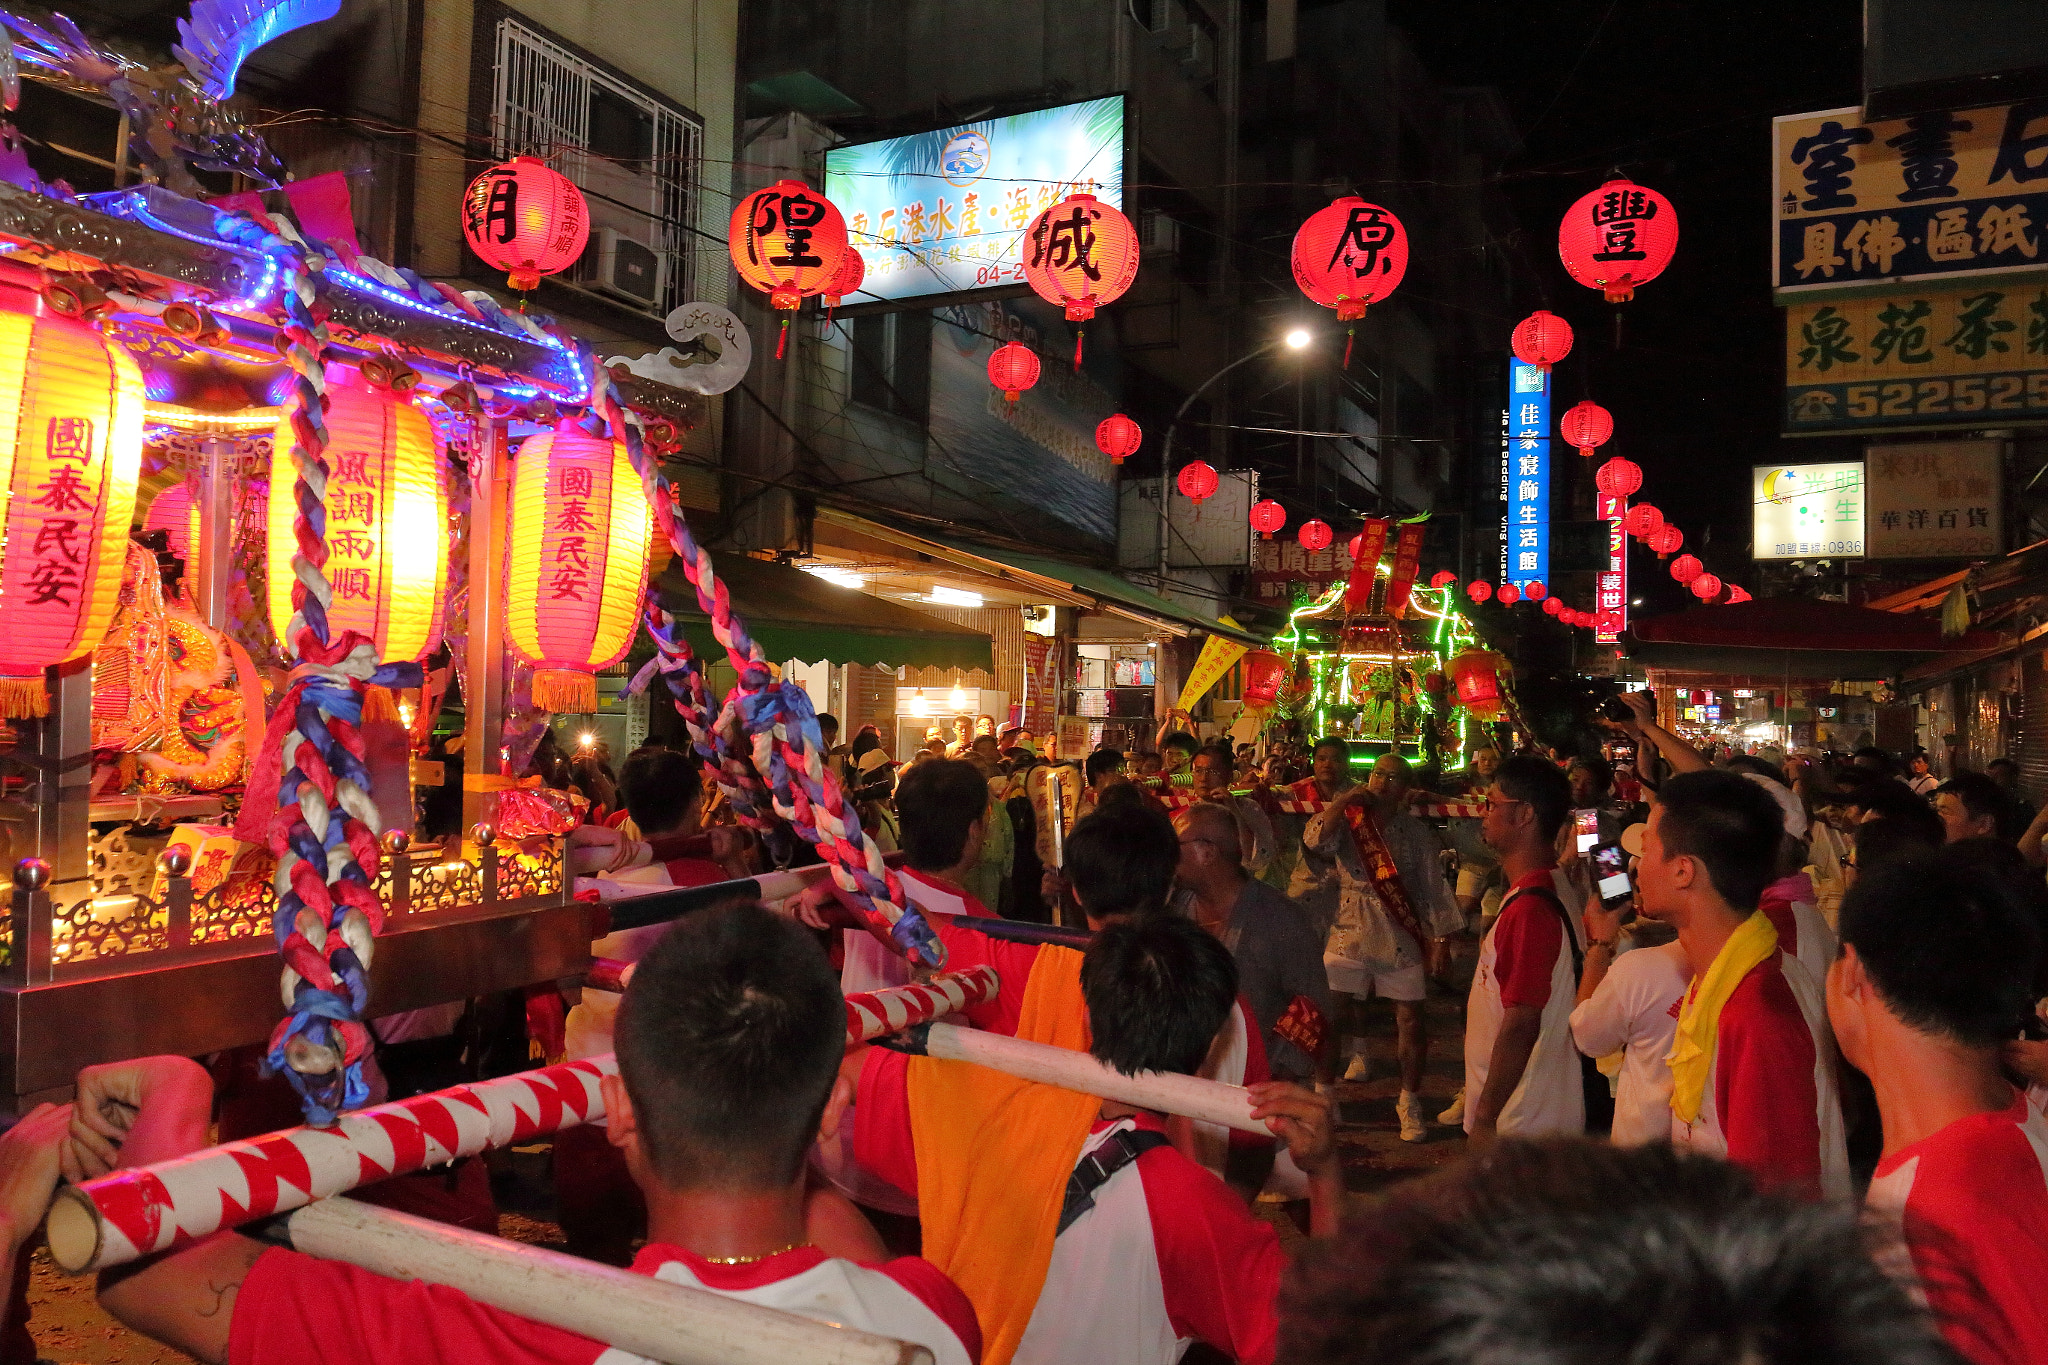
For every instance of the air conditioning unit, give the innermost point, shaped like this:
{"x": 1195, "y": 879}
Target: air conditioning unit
{"x": 1157, "y": 233}
{"x": 1199, "y": 61}
{"x": 628, "y": 268}
{"x": 624, "y": 258}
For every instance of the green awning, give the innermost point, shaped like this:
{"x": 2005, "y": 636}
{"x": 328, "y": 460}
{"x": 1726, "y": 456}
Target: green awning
{"x": 796, "y": 615}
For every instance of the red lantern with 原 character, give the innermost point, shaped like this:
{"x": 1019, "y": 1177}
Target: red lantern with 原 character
{"x": 1349, "y": 255}
{"x": 1704, "y": 586}
{"x": 526, "y": 219}
{"x": 1535, "y": 590}
{"x": 1441, "y": 578}
{"x": 1666, "y": 540}
{"x": 1686, "y": 568}
{"x": 1507, "y": 594}
{"x": 1619, "y": 236}
{"x": 1479, "y": 590}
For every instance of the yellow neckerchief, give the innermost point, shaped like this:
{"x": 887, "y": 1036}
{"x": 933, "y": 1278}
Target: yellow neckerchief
{"x": 1692, "y": 1048}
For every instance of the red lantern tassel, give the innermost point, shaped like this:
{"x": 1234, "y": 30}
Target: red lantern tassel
{"x": 782, "y": 337}
{"x": 1077, "y": 348}
{"x": 1349, "y": 333}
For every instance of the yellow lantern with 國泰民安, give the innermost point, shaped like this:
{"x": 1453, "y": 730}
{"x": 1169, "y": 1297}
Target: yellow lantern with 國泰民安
{"x": 70, "y": 448}
{"x": 577, "y": 562}
{"x": 387, "y": 521}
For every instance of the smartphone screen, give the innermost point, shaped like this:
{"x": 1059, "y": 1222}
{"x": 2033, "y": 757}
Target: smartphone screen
{"x": 1587, "y": 825}
{"x": 1610, "y": 874}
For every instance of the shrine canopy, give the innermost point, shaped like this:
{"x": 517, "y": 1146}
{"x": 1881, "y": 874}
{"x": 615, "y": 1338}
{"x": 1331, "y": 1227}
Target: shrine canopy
{"x": 796, "y": 615}
{"x": 1795, "y": 636}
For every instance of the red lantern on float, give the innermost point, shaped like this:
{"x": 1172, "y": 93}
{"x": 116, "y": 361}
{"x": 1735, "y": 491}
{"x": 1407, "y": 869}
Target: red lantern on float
{"x": 1542, "y": 339}
{"x": 1013, "y": 368}
{"x": 1643, "y": 521}
{"x": 1686, "y": 568}
{"x": 1439, "y": 578}
{"x": 1267, "y": 517}
{"x": 1080, "y": 254}
{"x": 1535, "y": 590}
{"x": 1118, "y": 437}
{"x": 789, "y": 242}
{"x": 1315, "y": 535}
{"x": 1666, "y": 540}
{"x": 1619, "y": 236}
{"x": 1507, "y": 594}
{"x": 1349, "y": 255}
{"x": 1197, "y": 482}
{"x": 1704, "y": 586}
{"x": 1479, "y": 590}
{"x": 1263, "y": 670}
{"x": 852, "y": 271}
{"x": 1618, "y": 478}
{"x": 526, "y": 219}
{"x": 1586, "y": 425}
{"x": 1477, "y": 675}
{"x": 1737, "y": 594}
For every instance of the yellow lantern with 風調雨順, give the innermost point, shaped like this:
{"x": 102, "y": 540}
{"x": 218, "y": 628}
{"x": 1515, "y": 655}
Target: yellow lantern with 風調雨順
{"x": 387, "y": 522}
{"x": 578, "y": 559}
{"x": 70, "y": 447}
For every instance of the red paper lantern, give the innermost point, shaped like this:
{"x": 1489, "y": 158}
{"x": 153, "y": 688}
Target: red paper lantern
{"x": 1736, "y": 594}
{"x": 852, "y": 272}
{"x": 1315, "y": 535}
{"x": 1267, "y": 516}
{"x": 1437, "y": 579}
{"x": 1705, "y": 586}
{"x": 1476, "y": 673}
{"x": 1542, "y": 339}
{"x": 1586, "y": 425}
{"x": 1618, "y": 478}
{"x": 1507, "y": 594}
{"x": 1263, "y": 671}
{"x": 1608, "y": 622}
{"x": 1479, "y": 590}
{"x": 1349, "y": 255}
{"x": 1535, "y": 590}
{"x": 1666, "y": 540}
{"x": 1643, "y": 521}
{"x": 1619, "y": 236}
{"x": 1013, "y": 368}
{"x": 1554, "y": 606}
{"x": 1118, "y": 437}
{"x": 1080, "y": 254}
{"x": 788, "y": 241}
{"x": 1197, "y": 482}
{"x": 526, "y": 219}
{"x": 1686, "y": 568}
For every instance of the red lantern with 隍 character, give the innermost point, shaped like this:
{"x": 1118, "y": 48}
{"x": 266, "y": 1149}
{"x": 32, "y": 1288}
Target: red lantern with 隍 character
{"x": 1619, "y": 236}
{"x": 1479, "y": 590}
{"x": 1013, "y": 368}
{"x": 1349, "y": 255}
{"x": 1267, "y": 517}
{"x": 1118, "y": 437}
{"x": 1197, "y": 482}
{"x": 1666, "y": 540}
{"x": 1476, "y": 673}
{"x": 1686, "y": 568}
{"x": 526, "y": 219}
{"x": 1586, "y": 425}
{"x": 1080, "y": 254}
{"x": 1643, "y": 521}
{"x": 1542, "y": 339}
{"x": 789, "y": 242}
{"x": 1619, "y": 478}
{"x": 1315, "y": 535}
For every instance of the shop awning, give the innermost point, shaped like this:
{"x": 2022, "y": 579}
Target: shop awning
{"x": 796, "y": 615}
{"x": 1802, "y": 637}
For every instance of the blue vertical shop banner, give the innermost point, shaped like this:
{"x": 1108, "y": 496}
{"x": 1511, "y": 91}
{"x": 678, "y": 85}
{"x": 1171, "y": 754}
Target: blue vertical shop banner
{"x": 1525, "y": 476}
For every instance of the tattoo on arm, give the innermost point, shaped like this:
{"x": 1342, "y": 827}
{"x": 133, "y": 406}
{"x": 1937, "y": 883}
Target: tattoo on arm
{"x": 223, "y": 1295}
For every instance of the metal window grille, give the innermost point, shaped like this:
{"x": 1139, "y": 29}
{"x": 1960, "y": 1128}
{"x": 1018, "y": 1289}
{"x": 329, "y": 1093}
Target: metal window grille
{"x": 541, "y": 106}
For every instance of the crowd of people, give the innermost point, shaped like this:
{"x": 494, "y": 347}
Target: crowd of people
{"x": 1747, "y": 1055}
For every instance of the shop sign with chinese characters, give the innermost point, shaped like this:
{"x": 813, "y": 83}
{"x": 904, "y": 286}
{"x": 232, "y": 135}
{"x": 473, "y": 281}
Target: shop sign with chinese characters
{"x": 1525, "y": 476}
{"x": 1807, "y": 511}
{"x": 1957, "y": 356}
{"x": 1936, "y": 500}
{"x": 1948, "y": 192}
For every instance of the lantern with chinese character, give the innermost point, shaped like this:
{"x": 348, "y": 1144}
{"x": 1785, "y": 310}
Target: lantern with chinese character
{"x": 1542, "y": 339}
{"x": 1118, "y": 437}
{"x": 1618, "y": 478}
{"x": 1080, "y": 254}
{"x": 1477, "y": 676}
{"x": 1013, "y": 368}
{"x": 1440, "y": 578}
{"x": 577, "y": 560}
{"x": 1263, "y": 671}
{"x": 1315, "y": 535}
{"x": 1197, "y": 482}
{"x": 525, "y": 219}
{"x": 1267, "y": 517}
{"x": 1349, "y": 255}
{"x": 1686, "y": 568}
{"x": 1666, "y": 540}
{"x": 1586, "y": 425}
{"x": 789, "y": 242}
{"x": 1704, "y": 586}
{"x": 852, "y": 271}
{"x": 1507, "y": 594}
{"x": 387, "y": 521}
{"x": 1643, "y": 521}
{"x": 1737, "y": 594}
{"x": 1619, "y": 236}
{"x": 70, "y": 447}
{"x": 1479, "y": 590}
{"x": 1554, "y": 606}
{"x": 1535, "y": 590}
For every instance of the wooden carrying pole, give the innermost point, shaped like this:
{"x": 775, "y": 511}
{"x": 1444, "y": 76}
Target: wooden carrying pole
{"x": 674, "y": 1323}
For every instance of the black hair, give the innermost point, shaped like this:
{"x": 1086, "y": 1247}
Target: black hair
{"x": 1181, "y": 739}
{"x": 1100, "y": 762}
{"x": 1118, "y": 794}
{"x": 936, "y": 801}
{"x": 1600, "y": 768}
{"x": 1543, "y": 785}
{"x": 1120, "y": 860}
{"x": 867, "y": 739}
{"x": 828, "y": 721}
{"x": 2002, "y": 763}
{"x": 1886, "y": 764}
{"x": 659, "y": 787}
{"x": 729, "y": 1039}
{"x": 1158, "y": 988}
{"x": 1981, "y": 797}
{"x": 1885, "y": 796}
{"x": 1950, "y": 938}
{"x": 1219, "y": 753}
{"x": 1574, "y": 1252}
{"x": 1731, "y": 824}
{"x": 1886, "y": 837}
{"x": 1337, "y": 742}
{"x": 1750, "y": 763}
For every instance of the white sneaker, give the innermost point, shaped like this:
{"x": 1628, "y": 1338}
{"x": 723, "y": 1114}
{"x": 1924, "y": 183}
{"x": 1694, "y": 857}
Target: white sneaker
{"x": 1359, "y": 1069}
{"x": 1455, "y": 1115}
{"x": 1409, "y": 1108}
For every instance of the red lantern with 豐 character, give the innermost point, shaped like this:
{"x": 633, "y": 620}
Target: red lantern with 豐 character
{"x": 1618, "y": 237}
{"x": 1080, "y": 254}
{"x": 1542, "y": 339}
{"x": 526, "y": 219}
{"x": 1586, "y": 425}
{"x": 1349, "y": 255}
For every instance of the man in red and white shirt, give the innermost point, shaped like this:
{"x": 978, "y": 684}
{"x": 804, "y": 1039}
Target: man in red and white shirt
{"x": 1522, "y": 1075}
{"x": 1753, "y": 1063}
{"x": 942, "y": 807}
{"x": 1162, "y": 1254}
{"x": 1938, "y": 953}
{"x": 715, "y": 1141}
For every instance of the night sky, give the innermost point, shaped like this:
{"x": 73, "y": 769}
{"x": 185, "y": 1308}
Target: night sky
{"x": 1678, "y": 96}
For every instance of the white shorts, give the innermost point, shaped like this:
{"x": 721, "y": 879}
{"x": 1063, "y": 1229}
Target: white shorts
{"x": 1349, "y": 978}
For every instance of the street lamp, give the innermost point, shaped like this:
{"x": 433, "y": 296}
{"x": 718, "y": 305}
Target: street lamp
{"x": 1299, "y": 338}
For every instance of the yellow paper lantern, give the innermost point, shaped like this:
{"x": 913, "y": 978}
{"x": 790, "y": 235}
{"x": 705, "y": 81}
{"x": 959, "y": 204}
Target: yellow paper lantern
{"x": 387, "y": 521}
{"x": 70, "y": 450}
{"x": 579, "y": 542}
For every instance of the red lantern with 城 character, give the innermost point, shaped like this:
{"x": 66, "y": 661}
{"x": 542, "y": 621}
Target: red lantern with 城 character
{"x": 1080, "y": 254}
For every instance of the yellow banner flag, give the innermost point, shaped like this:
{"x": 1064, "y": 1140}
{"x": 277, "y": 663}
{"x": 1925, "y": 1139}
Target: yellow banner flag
{"x": 1218, "y": 654}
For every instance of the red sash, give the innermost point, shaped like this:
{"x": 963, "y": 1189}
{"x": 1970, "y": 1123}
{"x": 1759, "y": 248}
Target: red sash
{"x": 1379, "y": 865}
